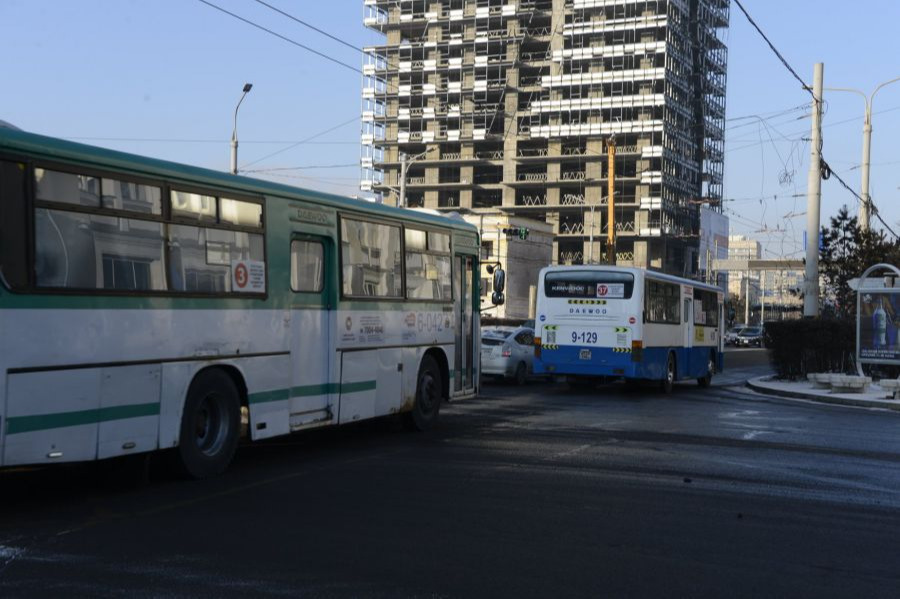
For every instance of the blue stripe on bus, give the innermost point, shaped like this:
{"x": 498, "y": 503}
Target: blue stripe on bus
{"x": 605, "y": 361}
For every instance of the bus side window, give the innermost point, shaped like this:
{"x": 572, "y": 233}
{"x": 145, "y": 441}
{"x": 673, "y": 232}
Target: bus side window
{"x": 307, "y": 262}
{"x": 687, "y": 310}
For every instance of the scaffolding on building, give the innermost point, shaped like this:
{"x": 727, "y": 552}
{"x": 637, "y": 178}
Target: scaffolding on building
{"x": 509, "y": 103}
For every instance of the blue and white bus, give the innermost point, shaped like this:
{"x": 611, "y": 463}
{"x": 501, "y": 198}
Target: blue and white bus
{"x": 598, "y": 322}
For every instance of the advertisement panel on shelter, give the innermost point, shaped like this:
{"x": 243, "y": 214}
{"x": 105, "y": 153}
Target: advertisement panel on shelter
{"x": 879, "y": 322}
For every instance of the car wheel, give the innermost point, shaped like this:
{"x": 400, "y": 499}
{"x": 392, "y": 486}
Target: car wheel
{"x": 521, "y": 375}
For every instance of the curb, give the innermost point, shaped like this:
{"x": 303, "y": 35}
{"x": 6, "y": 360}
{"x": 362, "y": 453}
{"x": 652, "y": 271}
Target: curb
{"x": 755, "y": 385}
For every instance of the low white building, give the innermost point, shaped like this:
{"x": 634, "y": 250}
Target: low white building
{"x": 522, "y": 257}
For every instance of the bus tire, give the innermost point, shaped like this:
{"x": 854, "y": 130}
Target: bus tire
{"x": 427, "y": 403}
{"x": 706, "y": 380}
{"x": 671, "y": 374}
{"x": 210, "y": 425}
{"x": 521, "y": 375}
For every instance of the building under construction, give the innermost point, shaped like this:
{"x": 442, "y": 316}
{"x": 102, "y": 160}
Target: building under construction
{"x": 515, "y": 106}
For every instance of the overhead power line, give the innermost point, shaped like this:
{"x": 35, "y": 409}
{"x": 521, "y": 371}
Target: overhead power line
{"x": 859, "y": 198}
{"x": 299, "y": 168}
{"x": 302, "y": 141}
{"x": 207, "y": 141}
{"x": 775, "y": 50}
{"x": 278, "y": 35}
{"x": 313, "y": 27}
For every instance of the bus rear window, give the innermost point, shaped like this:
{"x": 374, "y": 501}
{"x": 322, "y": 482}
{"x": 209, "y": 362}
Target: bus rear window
{"x": 589, "y": 283}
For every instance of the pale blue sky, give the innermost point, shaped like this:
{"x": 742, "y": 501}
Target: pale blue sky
{"x": 114, "y": 72}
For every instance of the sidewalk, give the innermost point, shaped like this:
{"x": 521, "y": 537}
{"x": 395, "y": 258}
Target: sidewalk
{"x": 875, "y": 397}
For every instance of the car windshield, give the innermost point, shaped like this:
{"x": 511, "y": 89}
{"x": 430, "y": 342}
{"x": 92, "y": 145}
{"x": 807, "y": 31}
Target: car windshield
{"x": 750, "y": 331}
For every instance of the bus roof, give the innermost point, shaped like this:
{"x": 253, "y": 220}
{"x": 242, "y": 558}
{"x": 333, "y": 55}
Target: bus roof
{"x": 652, "y": 274}
{"x": 60, "y": 150}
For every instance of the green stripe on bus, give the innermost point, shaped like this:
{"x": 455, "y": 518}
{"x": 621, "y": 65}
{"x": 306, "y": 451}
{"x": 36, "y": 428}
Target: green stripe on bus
{"x": 357, "y": 387}
{"x": 309, "y": 391}
{"x": 27, "y": 424}
{"x": 267, "y": 396}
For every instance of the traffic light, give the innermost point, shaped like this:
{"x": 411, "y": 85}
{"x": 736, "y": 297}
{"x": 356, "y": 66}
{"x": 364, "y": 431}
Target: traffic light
{"x": 520, "y": 232}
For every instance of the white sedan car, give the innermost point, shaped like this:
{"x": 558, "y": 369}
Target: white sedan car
{"x": 507, "y": 352}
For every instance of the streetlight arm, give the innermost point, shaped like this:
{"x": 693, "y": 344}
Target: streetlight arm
{"x": 880, "y": 85}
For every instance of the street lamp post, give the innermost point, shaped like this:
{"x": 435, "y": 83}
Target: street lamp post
{"x": 405, "y": 161}
{"x": 234, "y": 140}
{"x": 865, "y": 208}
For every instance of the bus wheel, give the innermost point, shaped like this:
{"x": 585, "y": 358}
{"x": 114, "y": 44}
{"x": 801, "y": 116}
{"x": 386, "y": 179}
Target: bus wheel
{"x": 210, "y": 425}
{"x": 669, "y": 381}
{"x": 521, "y": 374}
{"x": 428, "y": 397}
{"x": 706, "y": 380}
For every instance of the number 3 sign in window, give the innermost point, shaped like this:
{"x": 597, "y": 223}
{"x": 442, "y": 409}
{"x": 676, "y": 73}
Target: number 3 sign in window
{"x": 248, "y": 276}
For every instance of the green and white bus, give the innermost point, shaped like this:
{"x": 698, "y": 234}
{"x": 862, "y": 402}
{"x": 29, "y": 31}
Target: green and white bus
{"x": 149, "y": 305}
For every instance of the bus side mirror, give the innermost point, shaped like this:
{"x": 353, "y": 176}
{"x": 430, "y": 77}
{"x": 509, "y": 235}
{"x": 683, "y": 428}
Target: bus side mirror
{"x": 499, "y": 280}
{"x": 497, "y": 298}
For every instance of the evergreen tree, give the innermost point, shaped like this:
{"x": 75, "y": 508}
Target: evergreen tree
{"x": 845, "y": 253}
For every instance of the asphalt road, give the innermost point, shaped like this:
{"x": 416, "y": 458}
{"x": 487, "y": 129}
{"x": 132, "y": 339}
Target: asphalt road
{"x": 536, "y": 491}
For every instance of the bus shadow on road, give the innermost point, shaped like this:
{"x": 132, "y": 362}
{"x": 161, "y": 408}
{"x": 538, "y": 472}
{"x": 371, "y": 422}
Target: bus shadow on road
{"x": 35, "y": 488}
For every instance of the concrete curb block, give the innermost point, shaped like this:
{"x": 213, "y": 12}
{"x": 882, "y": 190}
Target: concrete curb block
{"x": 758, "y": 385}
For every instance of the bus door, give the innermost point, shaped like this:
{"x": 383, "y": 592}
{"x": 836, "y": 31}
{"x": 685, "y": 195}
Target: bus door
{"x": 465, "y": 284}
{"x": 687, "y": 317}
{"x": 311, "y": 324}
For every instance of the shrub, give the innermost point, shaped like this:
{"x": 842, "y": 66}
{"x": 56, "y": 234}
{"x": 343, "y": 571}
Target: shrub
{"x": 798, "y": 347}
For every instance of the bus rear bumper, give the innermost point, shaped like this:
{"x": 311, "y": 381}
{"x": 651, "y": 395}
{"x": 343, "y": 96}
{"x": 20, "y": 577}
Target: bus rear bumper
{"x": 650, "y": 363}
{"x": 594, "y": 361}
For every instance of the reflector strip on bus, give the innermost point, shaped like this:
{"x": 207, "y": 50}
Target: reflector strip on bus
{"x": 549, "y": 346}
{"x": 621, "y": 350}
{"x": 588, "y": 301}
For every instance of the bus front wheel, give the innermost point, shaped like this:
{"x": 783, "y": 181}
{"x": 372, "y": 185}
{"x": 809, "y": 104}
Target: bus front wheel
{"x": 706, "y": 380}
{"x": 669, "y": 381}
{"x": 210, "y": 425}
{"x": 428, "y": 398}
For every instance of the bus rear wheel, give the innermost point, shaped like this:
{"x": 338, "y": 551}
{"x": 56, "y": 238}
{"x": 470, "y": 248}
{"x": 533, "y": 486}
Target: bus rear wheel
{"x": 210, "y": 425}
{"x": 669, "y": 382}
{"x": 427, "y": 403}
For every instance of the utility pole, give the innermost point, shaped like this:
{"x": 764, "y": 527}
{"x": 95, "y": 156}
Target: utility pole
{"x": 611, "y": 203}
{"x": 747, "y": 299}
{"x": 591, "y": 237}
{"x": 814, "y": 199}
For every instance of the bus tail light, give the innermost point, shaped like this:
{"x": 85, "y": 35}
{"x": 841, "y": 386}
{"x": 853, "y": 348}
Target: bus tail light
{"x": 637, "y": 350}
{"x": 537, "y": 347}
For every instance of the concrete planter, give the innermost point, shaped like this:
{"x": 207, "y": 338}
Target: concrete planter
{"x": 848, "y": 383}
{"x": 892, "y": 386}
{"x": 821, "y": 380}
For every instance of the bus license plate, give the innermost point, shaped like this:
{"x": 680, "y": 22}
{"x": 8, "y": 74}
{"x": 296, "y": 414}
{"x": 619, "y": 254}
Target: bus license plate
{"x": 584, "y": 354}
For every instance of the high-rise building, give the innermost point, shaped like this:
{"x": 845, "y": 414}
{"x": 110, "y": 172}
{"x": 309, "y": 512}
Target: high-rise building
{"x": 510, "y": 106}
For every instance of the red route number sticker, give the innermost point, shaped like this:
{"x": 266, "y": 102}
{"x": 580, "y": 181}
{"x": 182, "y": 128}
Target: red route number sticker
{"x": 241, "y": 276}
{"x": 248, "y": 276}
